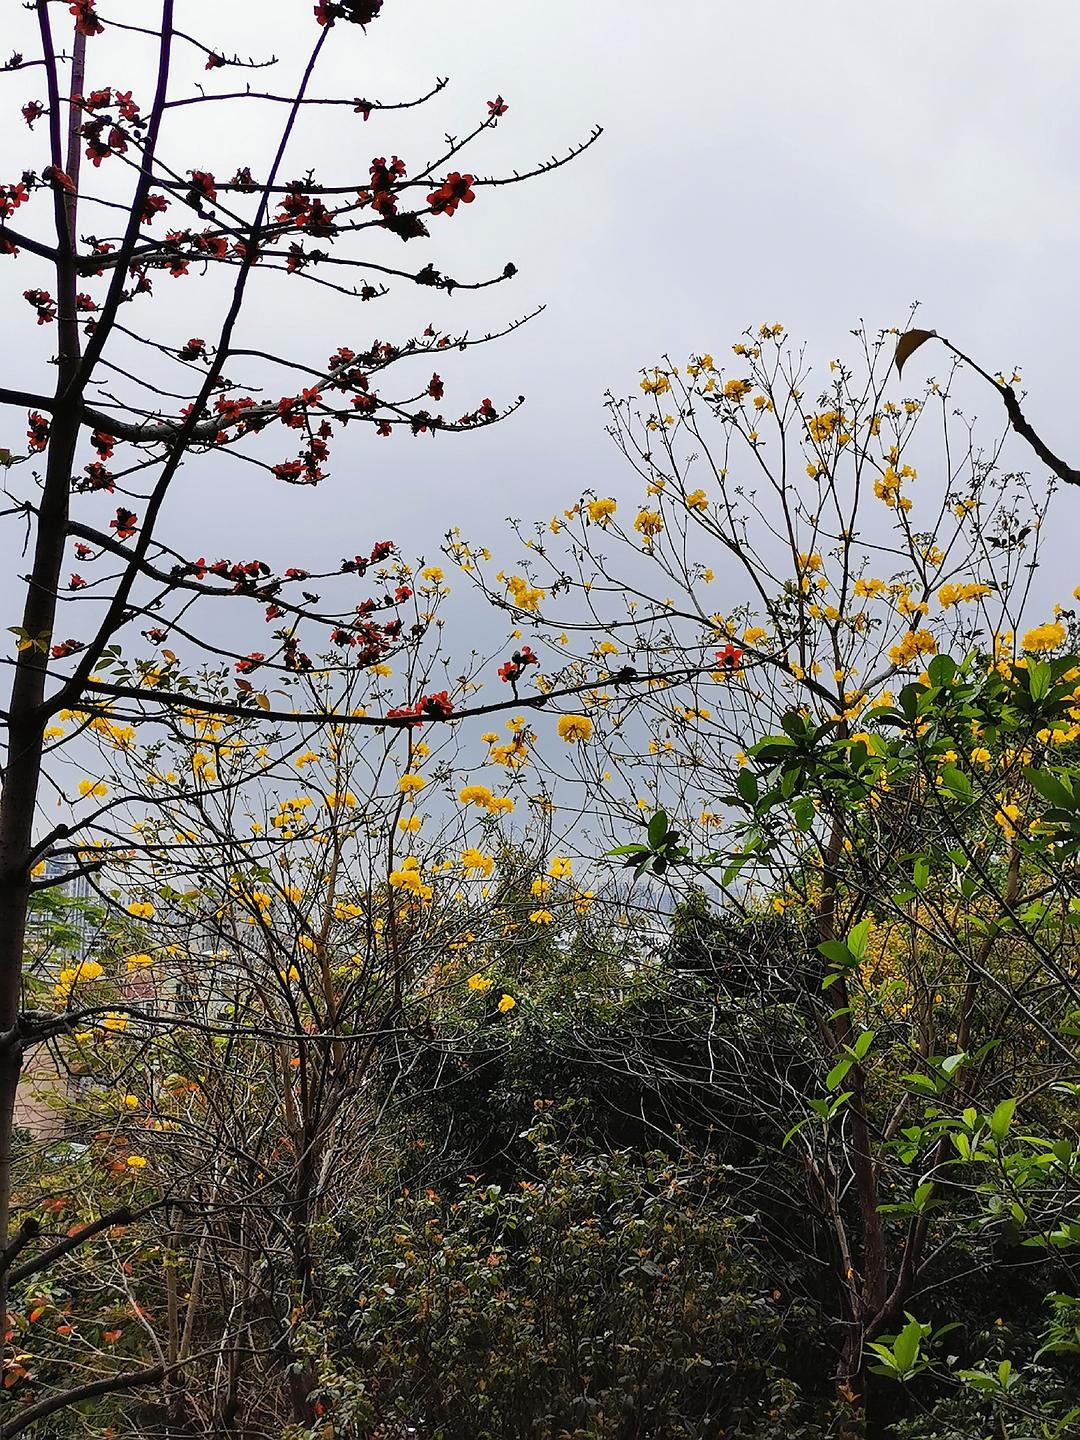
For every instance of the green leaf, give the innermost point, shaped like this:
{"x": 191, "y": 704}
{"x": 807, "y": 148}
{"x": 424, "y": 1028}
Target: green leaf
{"x": 1051, "y": 788}
{"x": 920, "y": 872}
{"x": 838, "y": 953}
{"x": 658, "y": 828}
{"x": 857, "y": 938}
{"x": 906, "y": 1346}
{"x": 955, "y": 782}
{"x": 1001, "y": 1119}
{"x": 862, "y": 1045}
{"x": 837, "y": 1073}
{"x": 747, "y": 786}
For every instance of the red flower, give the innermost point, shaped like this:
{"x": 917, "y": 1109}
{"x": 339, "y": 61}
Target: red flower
{"x": 11, "y": 197}
{"x": 253, "y": 661}
{"x": 730, "y": 657}
{"x": 515, "y": 667}
{"x": 31, "y": 111}
{"x": 76, "y": 583}
{"x": 194, "y": 350}
{"x": 435, "y": 388}
{"x": 436, "y": 707}
{"x": 65, "y": 648}
{"x": 43, "y": 303}
{"x": 86, "y": 22}
{"x": 455, "y": 190}
{"x": 215, "y": 62}
{"x": 153, "y": 205}
{"x": 125, "y": 524}
{"x": 97, "y": 477}
{"x": 129, "y": 110}
{"x": 37, "y": 432}
{"x": 497, "y": 107}
{"x": 103, "y": 444}
{"x": 83, "y": 551}
{"x": 203, "y": 186}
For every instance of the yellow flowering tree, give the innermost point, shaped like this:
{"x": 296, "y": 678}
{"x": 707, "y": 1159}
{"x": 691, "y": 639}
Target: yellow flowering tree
{"x": 809, "y": 647}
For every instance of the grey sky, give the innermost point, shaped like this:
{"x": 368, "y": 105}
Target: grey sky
{"x": 810, "y": 163}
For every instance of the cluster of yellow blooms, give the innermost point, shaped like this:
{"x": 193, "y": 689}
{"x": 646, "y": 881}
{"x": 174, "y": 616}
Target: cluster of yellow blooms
{"x": 524, "y": 596}
{"x": 913, "y": 644}
{"x": 572, "y": 728}
{"x": 1044, "y": 638}
{"x": 410, "y": 879}
{"x": 950, "y": 595}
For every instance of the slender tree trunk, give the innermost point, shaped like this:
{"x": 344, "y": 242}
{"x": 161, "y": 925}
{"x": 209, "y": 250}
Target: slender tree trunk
{"x": 26, "y": 715}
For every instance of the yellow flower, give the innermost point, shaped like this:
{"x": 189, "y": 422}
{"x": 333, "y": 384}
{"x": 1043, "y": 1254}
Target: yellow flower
{"x": 572, "y": 728}
{"x": 141, "y": 909}
{"x": 524, "y": 596}
{"x": 131, "y": 1102}
{"x": 479, "y": 983}
{"x": 411, "y": 784}
{"x": 410, "y": 823}
{"x": 913, "y": 644}
{"x": 656, "y": 384}
{"x": 822, "y": 426}
{"x": 541, "y": 917}
{"x": 92, "y": 789}
{"x": 561, "y": 867}
{"x": 136, "y": 1162}
{"x": 754, "y": 635}
{"x": 649, "y": 523}
{"x": 697, "y": 500}
{"x": 475, "y": 795}
{"x": 433, "y": 573}
{"x": 473, "y": 859}
{"x": 737, "y": 390}
{"x": 501, "y": 805}
{"x": 950, "y": 595}
{"x": 868, "y": 588}
{"x": 139, "y": 962}
{"x": 1007, "y": 816}
{"x": 114, "y": 1022}
{"x": 507, "y": 1003}
{"x": 601, "y": 511}
{"x": 345, "y": 800}
{"x": 540, "y": 887}
{"x": 1044, "y": 637}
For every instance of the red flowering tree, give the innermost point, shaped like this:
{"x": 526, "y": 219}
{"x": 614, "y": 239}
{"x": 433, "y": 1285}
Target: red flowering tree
{"x": 130, "y": 399}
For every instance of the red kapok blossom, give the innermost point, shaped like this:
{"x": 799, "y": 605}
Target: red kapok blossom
{"x": 43, "y": 303}
{"x": 37, "y": 431}
{"x": 125, "y": 523}
{"x": 86, "y": 22}
{"x": 730, "y": 657}
{"x": 11, "y": 197}
{"x": 455, "y": 190}
{"x": 497, "y": 107}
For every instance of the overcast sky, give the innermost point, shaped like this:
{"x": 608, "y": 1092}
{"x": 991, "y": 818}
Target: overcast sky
{"x": 809, "y": 163}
